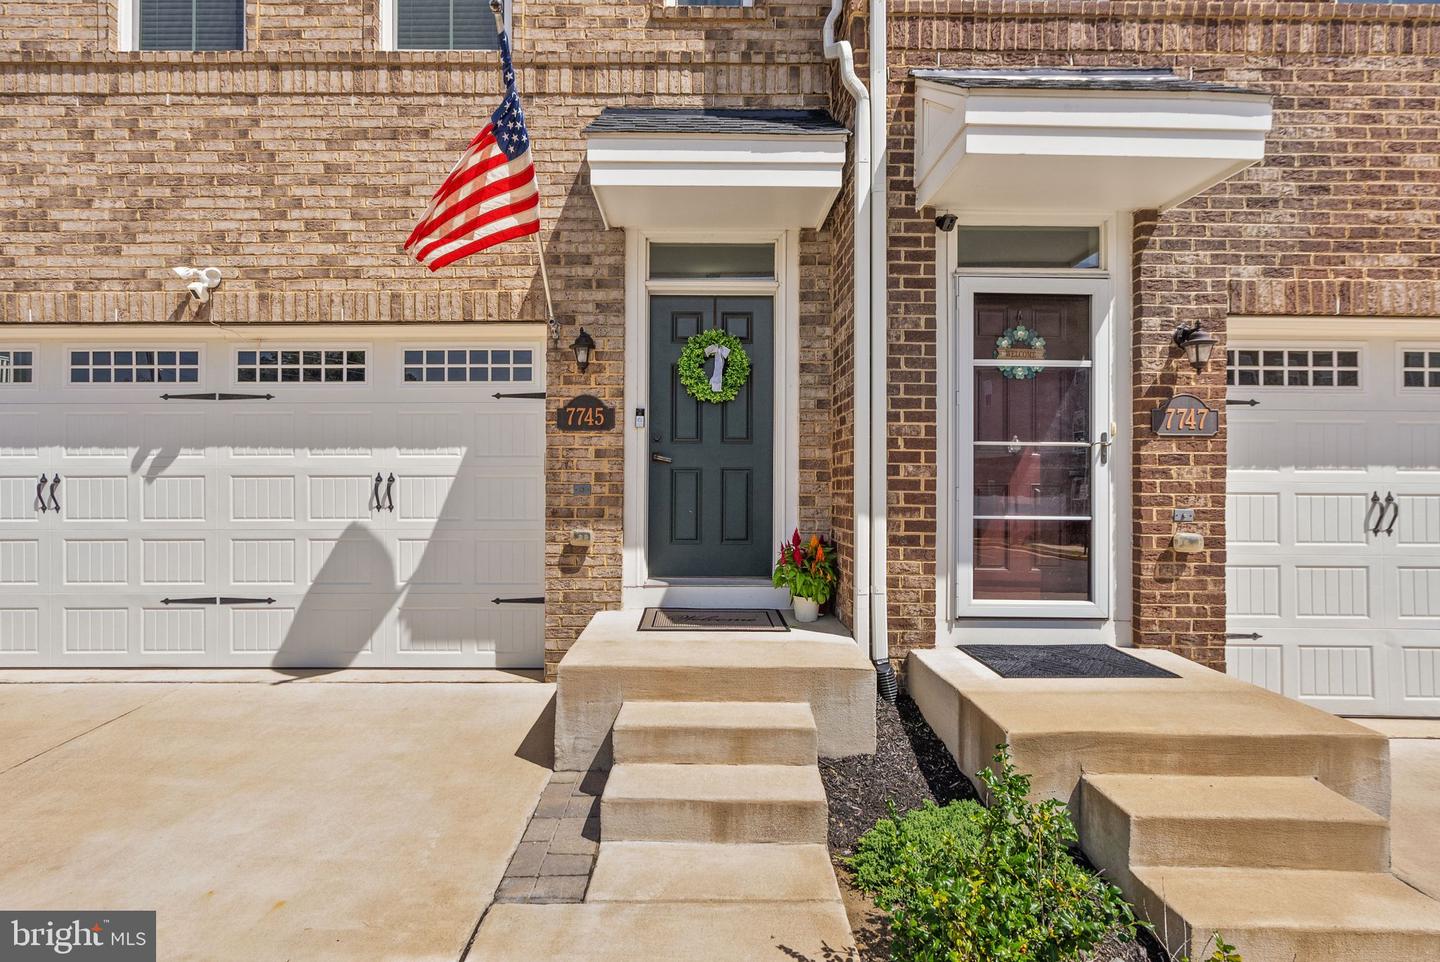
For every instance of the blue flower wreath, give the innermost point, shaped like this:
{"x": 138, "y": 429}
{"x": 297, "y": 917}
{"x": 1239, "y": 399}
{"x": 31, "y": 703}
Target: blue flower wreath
{"x": 1022, "y": 337}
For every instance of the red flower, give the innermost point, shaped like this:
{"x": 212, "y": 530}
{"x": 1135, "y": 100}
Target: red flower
{"x": 795, "y": 538}
{"x": 799, "y": 558}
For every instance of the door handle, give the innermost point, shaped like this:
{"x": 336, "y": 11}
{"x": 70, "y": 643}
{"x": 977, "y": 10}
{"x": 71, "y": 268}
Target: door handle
{"x": 661, "y": 459}
{"x": 1104, "y": 445}
{"x": 1374, "y": 501}
{"x": 375, "y": 494}
{"x": 389, "y": 487}
{"x": 40, "y": 493}
{"x": 54, "y": 502}
{"x": 1389, "y": 499}
{"x": 1384, "y": 509}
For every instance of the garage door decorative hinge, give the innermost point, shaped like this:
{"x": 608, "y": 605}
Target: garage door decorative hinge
{"x": 518, "y": 601}
{"x": 536, "y": 395}
{"x": 1248, "y": 402}
{"x": 217, "y": 396}
{"x": 221, "y": 600}
{"x": 1253, "y": 636}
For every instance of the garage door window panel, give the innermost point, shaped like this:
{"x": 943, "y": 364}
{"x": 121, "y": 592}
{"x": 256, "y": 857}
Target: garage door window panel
{"x": 297, "y": 365}
{"x": 17, "y": 366}
{"x": 455, "y": 365}
{"x": 1420, "y": 367}
{"x": 135, "y": 366}
{"x": 1288, "y": 367}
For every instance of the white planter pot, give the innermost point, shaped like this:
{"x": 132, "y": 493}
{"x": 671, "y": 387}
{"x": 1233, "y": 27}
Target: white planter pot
{"x": 805, "y": 610}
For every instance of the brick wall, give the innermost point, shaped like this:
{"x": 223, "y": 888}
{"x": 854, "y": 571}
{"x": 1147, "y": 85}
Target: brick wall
{"x": 300, "y": 164}
{"x": 1342, "y": 218}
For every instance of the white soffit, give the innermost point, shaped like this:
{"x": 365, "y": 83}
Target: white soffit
{"x": 1078, "y": 140}
{"x": 733, "y": 178}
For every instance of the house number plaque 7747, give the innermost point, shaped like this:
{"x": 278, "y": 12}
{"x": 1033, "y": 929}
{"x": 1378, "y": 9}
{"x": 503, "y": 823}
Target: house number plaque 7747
{"x": 1185, "y": 416}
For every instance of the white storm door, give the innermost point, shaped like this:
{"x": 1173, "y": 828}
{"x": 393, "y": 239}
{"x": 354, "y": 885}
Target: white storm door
{"x": 1033, "y": 429}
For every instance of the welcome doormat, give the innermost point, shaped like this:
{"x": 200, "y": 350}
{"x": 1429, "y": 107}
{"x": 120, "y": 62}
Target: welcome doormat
{"x": 1063, "y": 661}
{"x": 712, "y": 619}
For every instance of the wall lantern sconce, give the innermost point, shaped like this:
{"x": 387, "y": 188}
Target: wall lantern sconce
{"x": 583, "y": 345}
{"x": 1197, "y": 344}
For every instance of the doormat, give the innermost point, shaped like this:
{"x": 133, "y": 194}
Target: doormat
{"x": 712, "y": 619}
{"x": 1063, "y": 661}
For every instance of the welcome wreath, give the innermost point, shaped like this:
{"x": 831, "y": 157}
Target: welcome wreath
{"x": 729, "y": 355}
{"x": 1020, "y": 343}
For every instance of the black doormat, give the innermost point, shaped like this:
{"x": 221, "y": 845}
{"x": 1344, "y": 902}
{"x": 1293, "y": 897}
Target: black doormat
{"x": 712, "y": 619}
{"x": 1063, "y": 661}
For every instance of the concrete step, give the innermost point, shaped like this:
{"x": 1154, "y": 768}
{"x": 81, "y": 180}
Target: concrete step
{"x": 715, "y": 733}
{"x": 627, "y": 931}
{"x": 1242, "y": 820}
{"x": 706, "y": 872}
{"x": 713, "y": 803}
{"x": 1281, "y": 915}
{"x": 1199, "y": 723}
{"x": 612, "y": 663}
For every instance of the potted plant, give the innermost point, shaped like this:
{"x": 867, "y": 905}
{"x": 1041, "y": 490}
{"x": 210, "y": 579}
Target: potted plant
{"x": 807, "y": 569}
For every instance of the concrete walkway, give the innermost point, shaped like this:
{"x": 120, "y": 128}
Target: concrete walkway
{"x": 272, "y": 821}
{"x": 1414, "y": 799}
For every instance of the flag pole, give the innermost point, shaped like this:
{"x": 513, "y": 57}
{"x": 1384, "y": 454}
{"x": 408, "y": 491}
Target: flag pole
{"x": 498, "y": 11}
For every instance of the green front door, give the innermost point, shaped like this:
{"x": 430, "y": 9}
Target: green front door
{"x": 710, "y": 464}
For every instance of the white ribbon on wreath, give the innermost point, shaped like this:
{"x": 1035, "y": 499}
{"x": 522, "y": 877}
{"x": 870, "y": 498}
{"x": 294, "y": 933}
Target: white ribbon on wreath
{"x": 717, "y": 377}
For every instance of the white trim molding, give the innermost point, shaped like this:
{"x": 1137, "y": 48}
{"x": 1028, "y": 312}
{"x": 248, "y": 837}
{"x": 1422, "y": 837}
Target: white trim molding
{"x": 1106, "y": 618}
{"x": 697, "y": 181}
{"x": 1058, "y": 150}
{"x": 639, "y": 589}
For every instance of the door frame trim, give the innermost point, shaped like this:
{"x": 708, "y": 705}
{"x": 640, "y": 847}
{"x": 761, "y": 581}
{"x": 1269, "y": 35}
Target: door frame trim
{"x": 638, "y": 589}
{"x": 1108, "y": 619}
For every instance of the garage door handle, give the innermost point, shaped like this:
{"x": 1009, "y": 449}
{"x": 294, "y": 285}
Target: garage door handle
{"x": 40, "y": 493}
{"x": 54, "y": 502}
{"x": 389, "y": 487}
{"x": 1390, "y": 499}
{"x": 1384, "y": 510}
{"x": 375, "y": 504}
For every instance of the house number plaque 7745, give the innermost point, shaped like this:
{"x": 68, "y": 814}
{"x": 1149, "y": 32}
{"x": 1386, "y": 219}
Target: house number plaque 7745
{"x": 585, "y": 413}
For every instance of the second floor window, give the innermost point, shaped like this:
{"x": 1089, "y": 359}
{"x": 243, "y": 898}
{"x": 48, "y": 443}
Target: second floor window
{"x": 192, "y": 24}
{"x": 444, "y": 25}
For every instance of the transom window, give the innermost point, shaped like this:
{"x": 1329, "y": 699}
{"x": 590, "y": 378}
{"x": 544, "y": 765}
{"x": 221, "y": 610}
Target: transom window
{"x": 17, "y": 367}
{"x": 191, "y": 24}
{"x": 1031, "y": 248}
{"x": 1420, "y": 368}
{"x": 1283, "y": 367}
{"x": 300, "y": 366}
{"x": 134, "y": 367}
{"x": 455, "y": 364}
{"x": 444, "y": 25}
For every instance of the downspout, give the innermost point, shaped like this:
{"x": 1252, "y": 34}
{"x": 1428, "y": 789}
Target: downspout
{"x": 879, "y": 349}
{"x": 864, "y": 374}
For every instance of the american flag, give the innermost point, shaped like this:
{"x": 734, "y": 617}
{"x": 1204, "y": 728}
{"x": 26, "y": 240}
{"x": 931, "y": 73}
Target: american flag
{"x": 490, "y": 196}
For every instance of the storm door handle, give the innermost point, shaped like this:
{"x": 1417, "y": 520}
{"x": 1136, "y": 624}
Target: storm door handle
{"x": 54, "y": 502}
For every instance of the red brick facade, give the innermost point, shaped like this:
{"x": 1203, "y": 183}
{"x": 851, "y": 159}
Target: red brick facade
{"x": 1343, "y": 218}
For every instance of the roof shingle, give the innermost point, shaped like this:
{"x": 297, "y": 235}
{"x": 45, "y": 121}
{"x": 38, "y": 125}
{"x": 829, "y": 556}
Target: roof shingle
{"x": 669, "y": 120}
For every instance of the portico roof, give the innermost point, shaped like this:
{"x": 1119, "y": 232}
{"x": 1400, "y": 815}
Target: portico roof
{"x": 714, "y": 169}
{"x": 1079, "y": 139}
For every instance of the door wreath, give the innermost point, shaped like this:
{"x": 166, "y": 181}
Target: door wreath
{"x": 1020, "y": 343}
{"x": 731, "y": 369}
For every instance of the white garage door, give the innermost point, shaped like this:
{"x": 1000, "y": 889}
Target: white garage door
{"x": 1333, "y": 516}
{"x": 209, "y": 503}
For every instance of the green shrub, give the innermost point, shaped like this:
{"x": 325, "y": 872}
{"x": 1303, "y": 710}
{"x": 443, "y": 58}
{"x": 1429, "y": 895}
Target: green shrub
{"x": 966, "y": 883}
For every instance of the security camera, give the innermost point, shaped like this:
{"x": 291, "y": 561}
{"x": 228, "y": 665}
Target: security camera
{"x": 202, "y": 280}
{"x": 946, "y": 222}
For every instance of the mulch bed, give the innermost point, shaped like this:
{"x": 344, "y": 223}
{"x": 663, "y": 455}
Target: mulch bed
{"x": 910, "y": 766}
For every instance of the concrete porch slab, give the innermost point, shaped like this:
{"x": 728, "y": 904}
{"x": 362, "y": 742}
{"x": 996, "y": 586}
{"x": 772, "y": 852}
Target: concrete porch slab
{"x": 612, "y": 662}
{"x": 1201, "y": 723}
